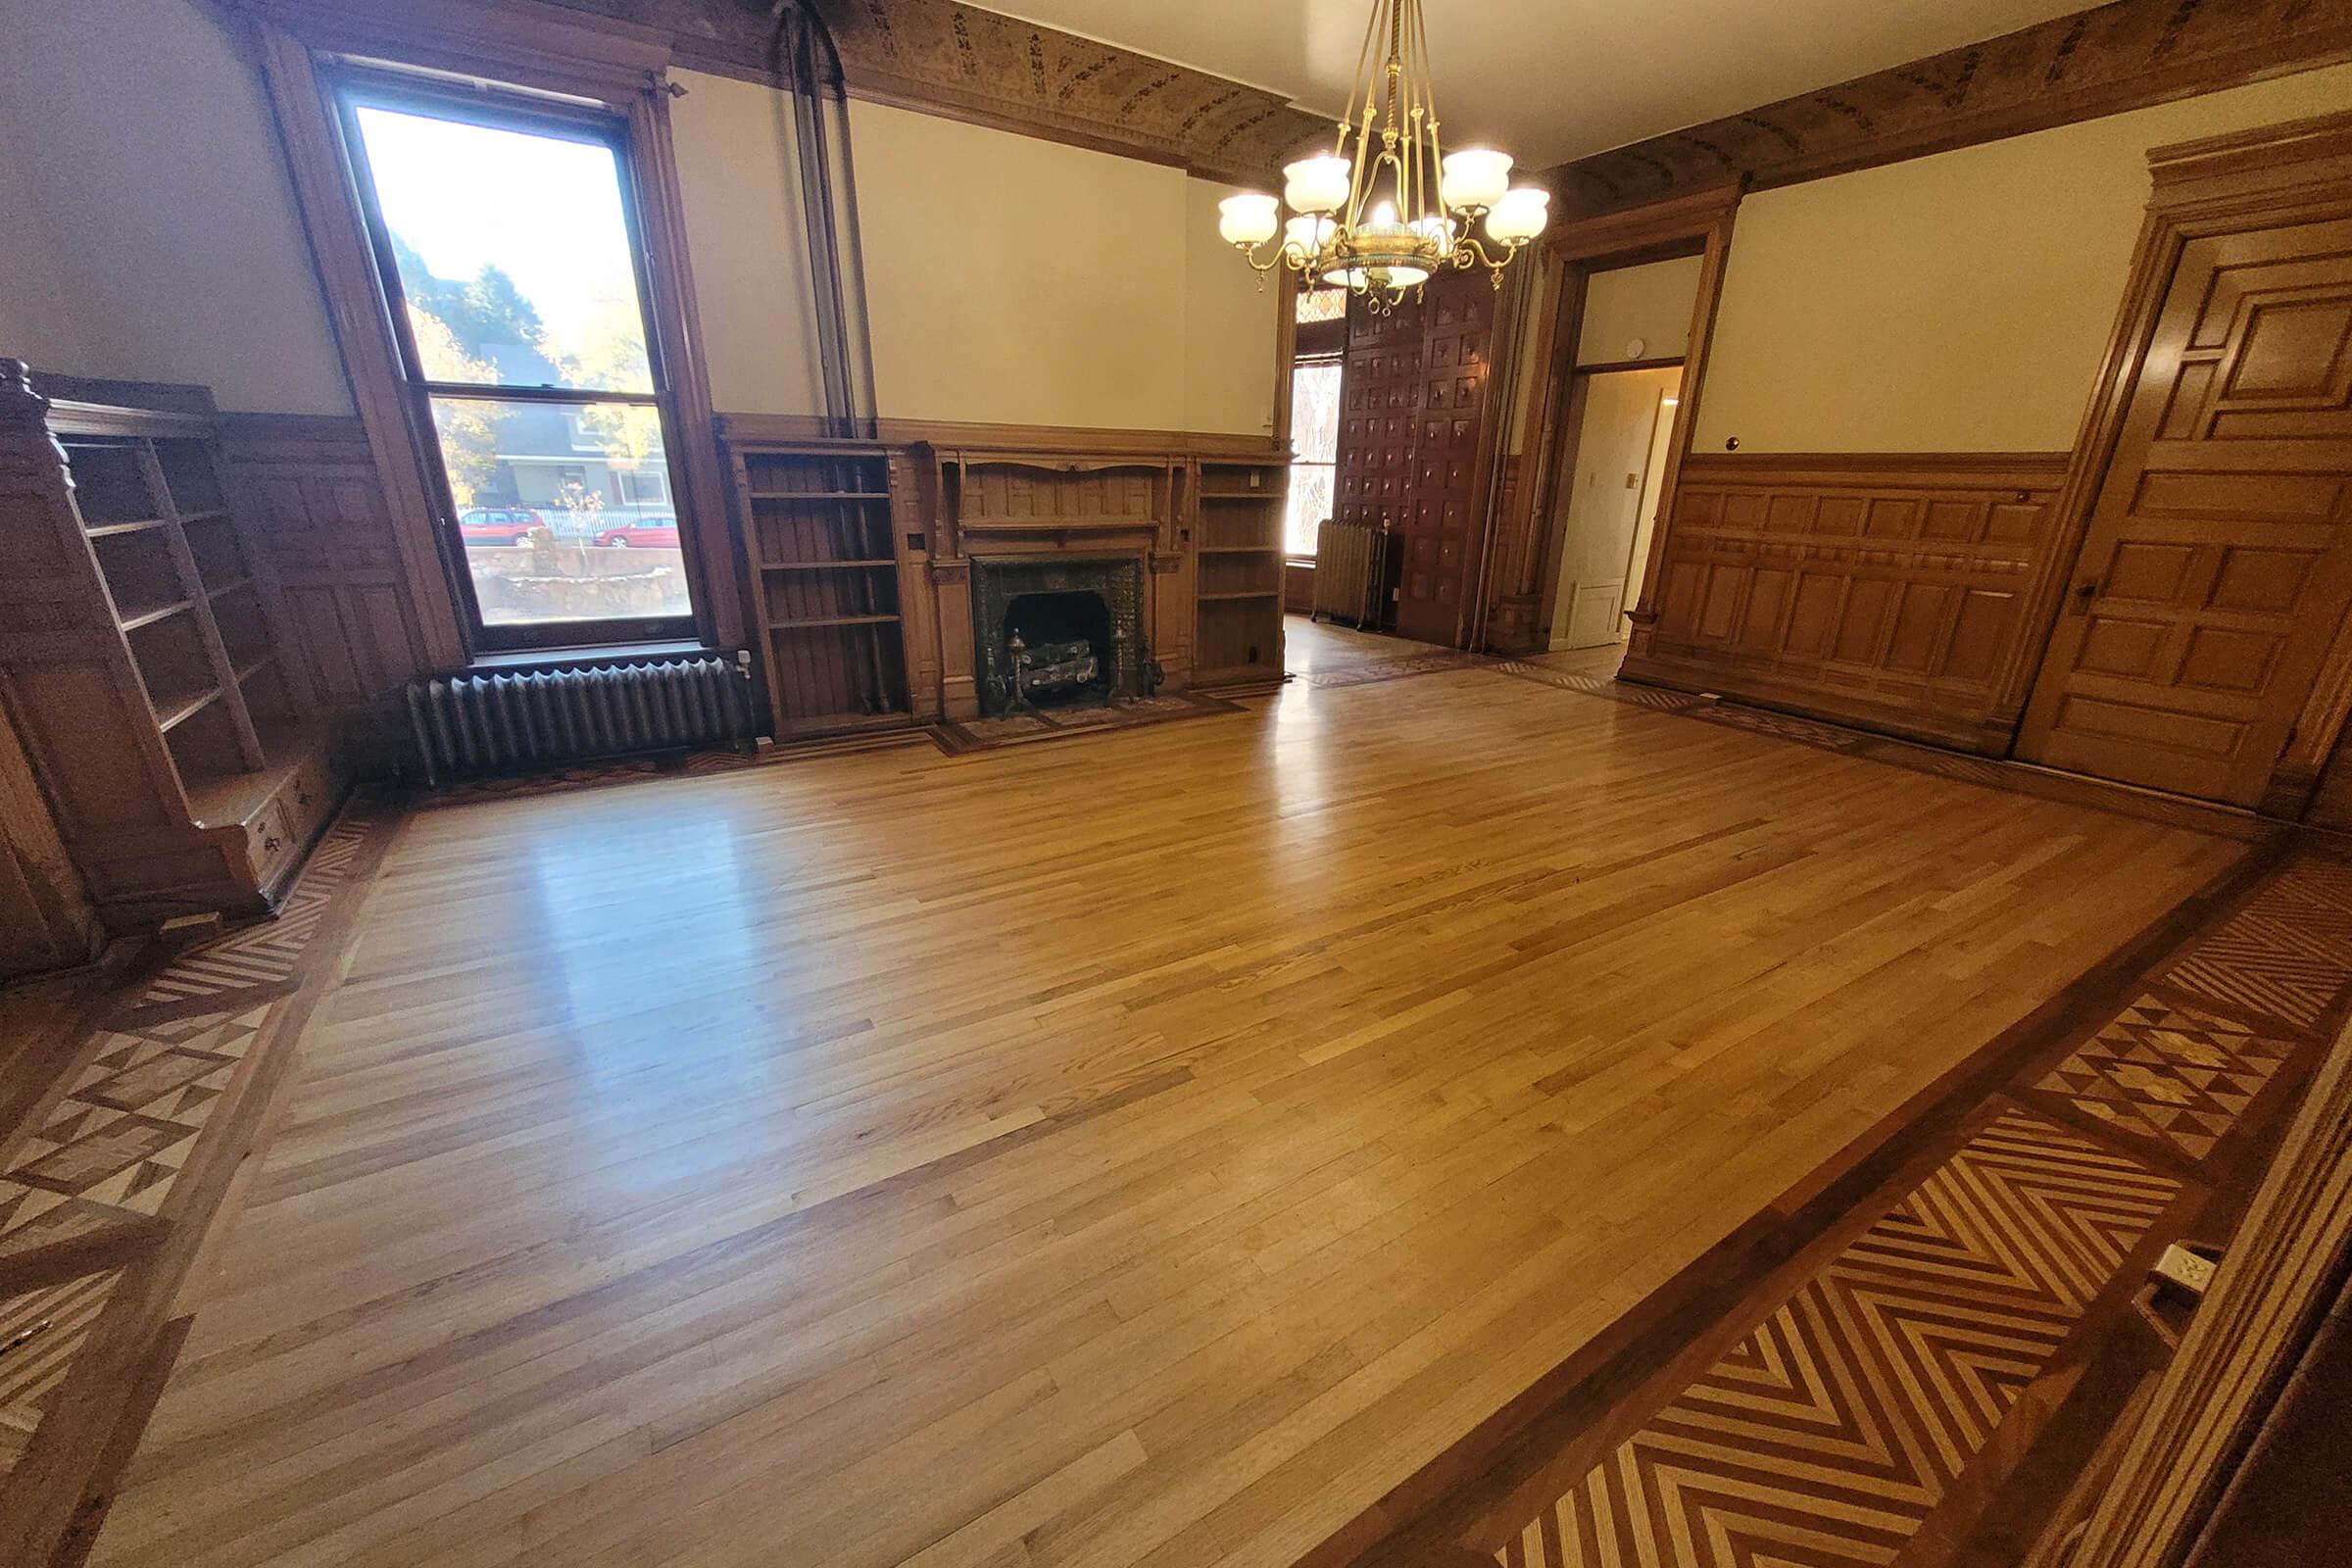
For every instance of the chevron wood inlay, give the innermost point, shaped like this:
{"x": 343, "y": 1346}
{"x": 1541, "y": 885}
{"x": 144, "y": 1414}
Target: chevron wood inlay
{"x": 1823, "y": 1438}
{"x": 53, "y": 1323}
{"x": 2288, "y": 953}
{"x": 1616, "y": 691}
{"x": 267, "y": 951}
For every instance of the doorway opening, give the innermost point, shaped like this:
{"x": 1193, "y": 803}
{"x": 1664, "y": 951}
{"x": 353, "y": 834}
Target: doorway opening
{"x": 1611, "y": 466}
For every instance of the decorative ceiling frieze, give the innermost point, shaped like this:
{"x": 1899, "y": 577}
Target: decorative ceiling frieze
{"x": 2097, "y": 62}
{"x": 940, "y": 54}
{"x": 982, "y": 66}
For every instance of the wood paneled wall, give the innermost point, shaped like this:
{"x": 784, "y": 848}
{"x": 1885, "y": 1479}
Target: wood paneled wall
{"x": 46, "y": 921}
{"x": 319, "y": 509}
{"x": 1888, "y": 589}
{"x": 1415, "y": 440}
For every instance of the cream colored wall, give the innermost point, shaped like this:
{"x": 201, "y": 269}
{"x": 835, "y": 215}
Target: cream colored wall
{"x": 1649, "y": 303}
{"x": 1958, "y": 303}
{"x": 1228, "y": 327}
{"x": 739, "y": 181}
{"x": 146, "y": 152}
{"x": 40, "y": 321}
{"x": 1019, "y": 281}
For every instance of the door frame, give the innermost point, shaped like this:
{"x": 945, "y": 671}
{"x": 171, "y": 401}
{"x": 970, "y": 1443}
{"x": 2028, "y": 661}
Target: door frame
{"x": 2269, "y": 178}
{"x": 1515, "y": 601}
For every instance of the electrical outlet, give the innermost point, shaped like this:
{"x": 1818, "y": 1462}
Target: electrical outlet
{"x": 2184, "y": 1269}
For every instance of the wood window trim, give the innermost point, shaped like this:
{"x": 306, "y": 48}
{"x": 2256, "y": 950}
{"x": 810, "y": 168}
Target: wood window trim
{"x": 2296, "y": 172}
{"x": 533, "y": 48}
{"x": 1699, "y": 224}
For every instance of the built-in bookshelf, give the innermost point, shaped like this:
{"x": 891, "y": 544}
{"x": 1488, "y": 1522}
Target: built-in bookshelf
{"x": 143, "y": 657}
{"x": 1237, "y": 533}
{"x": 818, "y": 530}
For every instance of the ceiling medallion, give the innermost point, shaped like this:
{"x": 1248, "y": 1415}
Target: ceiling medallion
{"x": 1369, "y": 220}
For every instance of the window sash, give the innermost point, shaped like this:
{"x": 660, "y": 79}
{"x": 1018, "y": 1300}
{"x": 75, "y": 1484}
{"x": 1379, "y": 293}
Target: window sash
{"x": 351, "y": 87}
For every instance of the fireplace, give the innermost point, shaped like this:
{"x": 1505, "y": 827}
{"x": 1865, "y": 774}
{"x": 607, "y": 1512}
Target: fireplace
{"x": 1059, "y": 631}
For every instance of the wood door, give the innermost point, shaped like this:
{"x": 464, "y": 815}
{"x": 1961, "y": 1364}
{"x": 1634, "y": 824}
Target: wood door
{"x": 1380, "y": 390}
{"x": 2217, "y": 561}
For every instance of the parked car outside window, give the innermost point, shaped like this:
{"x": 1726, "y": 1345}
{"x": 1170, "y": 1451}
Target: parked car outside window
{"x": 648, "y": 532}
{"x": 498, "y": 525}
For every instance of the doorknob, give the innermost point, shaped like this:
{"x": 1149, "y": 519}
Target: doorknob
{"x": 2085, "y": 592}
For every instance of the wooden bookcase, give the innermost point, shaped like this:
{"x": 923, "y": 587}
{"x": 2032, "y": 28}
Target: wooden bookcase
{"x": 1237, "y": 532}
{"x": 141, "y": 657}
{"x": 822, "y": 537}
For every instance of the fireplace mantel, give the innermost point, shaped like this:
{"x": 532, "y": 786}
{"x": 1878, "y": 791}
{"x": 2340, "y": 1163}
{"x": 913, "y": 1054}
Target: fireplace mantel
{"x": 1200, "y": 516}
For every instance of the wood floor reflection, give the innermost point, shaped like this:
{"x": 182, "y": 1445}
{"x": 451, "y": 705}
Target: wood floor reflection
{"x": 1149, "y": 1148}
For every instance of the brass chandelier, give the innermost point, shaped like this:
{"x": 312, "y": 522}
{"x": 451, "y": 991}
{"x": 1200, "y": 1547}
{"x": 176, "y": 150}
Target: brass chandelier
{"x": 1382, "y": 220}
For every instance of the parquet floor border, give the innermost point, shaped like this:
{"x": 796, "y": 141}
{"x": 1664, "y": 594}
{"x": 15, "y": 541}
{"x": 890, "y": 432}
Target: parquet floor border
{"x": 1823, "y": 1418}
{"x": 110, "y": 1181}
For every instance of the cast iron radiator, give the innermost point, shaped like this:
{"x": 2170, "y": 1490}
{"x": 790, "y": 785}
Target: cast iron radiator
{"x": 469, "y": 724}
{"x": 1351, "y": 569}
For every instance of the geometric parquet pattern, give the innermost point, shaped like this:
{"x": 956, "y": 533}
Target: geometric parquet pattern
{"x": 123, "y": 1130}
{"x": 146, "y": 1098}
{"x": 1824, "y": 1438}
{"x": 2171, "y": 1072}
{"x": 2286, "y": 954}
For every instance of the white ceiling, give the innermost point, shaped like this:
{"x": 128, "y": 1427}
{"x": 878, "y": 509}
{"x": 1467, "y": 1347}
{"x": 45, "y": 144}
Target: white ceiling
{"x": 1553, "y": 79}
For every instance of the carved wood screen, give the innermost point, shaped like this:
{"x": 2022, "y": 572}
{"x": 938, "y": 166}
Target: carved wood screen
{"x": 1890, "y": 589}
{"x": 1412, "y": 429}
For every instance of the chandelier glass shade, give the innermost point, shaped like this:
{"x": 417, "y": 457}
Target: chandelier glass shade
{"x": 1387, "y": 208}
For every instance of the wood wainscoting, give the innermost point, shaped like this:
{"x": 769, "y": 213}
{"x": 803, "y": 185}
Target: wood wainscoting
{"x": 317, "y": 504}
{"x": 1884, "y": 589}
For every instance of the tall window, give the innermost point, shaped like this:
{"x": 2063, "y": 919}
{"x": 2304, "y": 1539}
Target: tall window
{"x": 507, "y": 257}
{"x": 1321, "y": 318}
{"x": 1315, "y": 441}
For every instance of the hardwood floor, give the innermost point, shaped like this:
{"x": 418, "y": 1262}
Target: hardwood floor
{"x": 1144, "y": 1150}
{"x": 1310, "y": 644}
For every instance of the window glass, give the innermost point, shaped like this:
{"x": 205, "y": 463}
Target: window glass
{"x": 506, "y": 245}
{"x": 551, "y": 548}
{"x": 1315, "y": 443}
{"x": 514, "y": 256}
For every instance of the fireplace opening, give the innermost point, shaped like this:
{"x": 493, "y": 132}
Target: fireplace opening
{"x": 1058, "y": 649}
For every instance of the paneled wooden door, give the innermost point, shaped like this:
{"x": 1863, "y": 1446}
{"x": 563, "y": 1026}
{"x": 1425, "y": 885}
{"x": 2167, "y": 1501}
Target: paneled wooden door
{"x": 2217, "y": 561}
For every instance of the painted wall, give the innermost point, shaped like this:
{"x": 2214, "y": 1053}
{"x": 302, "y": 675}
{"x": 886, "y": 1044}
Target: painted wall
{"x": 1649, "y": 303}
{"x": 1957, "y": 302}
{"x": 1020, "y": 281}
{"x": 739, "y": 181}
{"x": 144, "y": 151}
{"x": 1228, "y": 327}
{"x": 1011, "y": 281}
{"x": 40, "y": 321}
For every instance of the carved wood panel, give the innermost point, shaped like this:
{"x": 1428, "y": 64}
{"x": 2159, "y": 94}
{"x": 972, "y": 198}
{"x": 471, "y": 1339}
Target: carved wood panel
{"x": 1411, "y": 425}
{"x": 1888, "y": 589}
{"x": 2218, "y": 564}
{"x": 2094, "y": 61}
{"x": 319, "y": 512}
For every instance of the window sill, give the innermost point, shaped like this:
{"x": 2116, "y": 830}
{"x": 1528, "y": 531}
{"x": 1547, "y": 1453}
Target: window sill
{"x": 530, "y": 659}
